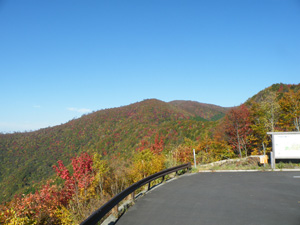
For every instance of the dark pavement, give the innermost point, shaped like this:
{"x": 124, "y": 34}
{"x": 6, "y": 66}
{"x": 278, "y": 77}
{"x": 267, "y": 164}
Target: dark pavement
{"x": 256, "y": 198}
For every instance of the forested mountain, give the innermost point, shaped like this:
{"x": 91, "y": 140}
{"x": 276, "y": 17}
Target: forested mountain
{"x": 27, "y": 158}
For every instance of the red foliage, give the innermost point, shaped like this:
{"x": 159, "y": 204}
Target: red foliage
{"x": 158, "y": 145}
{"x": 81, "y": 177}
{"x": 237, "y": 128}
{"x": 82, "y": 169}
{"x": 144, "y": 144}
{"x": 36, "y": 206}
{"x": 183, "y": 154}
{"x": 42, "y": 205}
{"x": 62, "y": 171}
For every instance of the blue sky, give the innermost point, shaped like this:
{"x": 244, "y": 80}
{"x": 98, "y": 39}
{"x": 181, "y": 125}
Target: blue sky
{"x": 60, "y": 59}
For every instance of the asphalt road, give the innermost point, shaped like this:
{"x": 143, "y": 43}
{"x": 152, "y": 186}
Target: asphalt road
{"x": 256, "y": 198}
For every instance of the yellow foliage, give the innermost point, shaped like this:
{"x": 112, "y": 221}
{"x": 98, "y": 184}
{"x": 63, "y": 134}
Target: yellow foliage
{"x": 146, "y": 163}
{"x": 64, "y": 215}
{"x": 183, "y": 154}
{"x": 13, "y": 219}
{"x": 101, "y": 169}
{"x": 213, "y": 150}
{"x": 255, "y": 151}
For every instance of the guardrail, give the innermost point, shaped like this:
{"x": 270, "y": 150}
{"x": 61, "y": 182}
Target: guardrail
{"x": 102, "y": 211}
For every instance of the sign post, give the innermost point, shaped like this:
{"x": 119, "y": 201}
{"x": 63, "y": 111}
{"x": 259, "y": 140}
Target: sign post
{"x": 272, "y": 159}
{"x": 194, "y": 158}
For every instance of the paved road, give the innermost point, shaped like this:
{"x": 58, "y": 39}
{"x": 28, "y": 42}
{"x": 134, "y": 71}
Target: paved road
{"x": 257, "y": 198}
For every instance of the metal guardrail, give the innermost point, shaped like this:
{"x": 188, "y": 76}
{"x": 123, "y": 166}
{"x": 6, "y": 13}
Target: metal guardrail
{"x": 102, "y": 211}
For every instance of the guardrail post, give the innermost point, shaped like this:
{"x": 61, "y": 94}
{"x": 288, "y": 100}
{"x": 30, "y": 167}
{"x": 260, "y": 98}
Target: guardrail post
{"x": 115, "y": 210}
{"x": 132, "y": 196}
{"x": 189, "y": 168}
{"x": 149, "y": 185}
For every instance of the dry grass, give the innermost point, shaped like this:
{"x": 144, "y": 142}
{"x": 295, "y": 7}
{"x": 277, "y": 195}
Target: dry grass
{"x": 249, "y": 163}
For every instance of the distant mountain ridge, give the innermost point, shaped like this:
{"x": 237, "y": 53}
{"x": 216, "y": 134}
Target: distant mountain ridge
{"x": 208, "y": 112}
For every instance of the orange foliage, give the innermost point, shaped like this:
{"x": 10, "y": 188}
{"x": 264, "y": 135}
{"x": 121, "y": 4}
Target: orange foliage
{"x": 40, "y": 206}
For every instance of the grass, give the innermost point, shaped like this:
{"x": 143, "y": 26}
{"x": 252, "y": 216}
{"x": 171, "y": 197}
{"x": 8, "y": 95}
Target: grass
{"x": 289, "y": 165}
{"x": 246, "y": 164}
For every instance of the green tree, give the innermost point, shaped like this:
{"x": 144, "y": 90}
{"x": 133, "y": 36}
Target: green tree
{"x": 264, "y": 118}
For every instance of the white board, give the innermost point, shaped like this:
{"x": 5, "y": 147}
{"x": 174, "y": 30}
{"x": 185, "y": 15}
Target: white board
{"x": 286, "y": 145}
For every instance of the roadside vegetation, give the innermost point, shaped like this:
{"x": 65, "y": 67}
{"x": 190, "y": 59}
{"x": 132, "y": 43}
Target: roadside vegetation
{"x": 249, "y": 163}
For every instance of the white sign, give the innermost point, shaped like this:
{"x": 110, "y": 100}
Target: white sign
{"x": 286, "y": 145}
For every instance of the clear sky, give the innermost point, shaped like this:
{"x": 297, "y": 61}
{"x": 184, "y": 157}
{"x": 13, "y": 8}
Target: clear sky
{"x": 60, "y": 59}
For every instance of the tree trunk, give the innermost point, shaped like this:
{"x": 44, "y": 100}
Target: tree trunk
{"x": 239, "y": 143}
{"x": 296, "y": 122}
{"x": 264, "y": 148}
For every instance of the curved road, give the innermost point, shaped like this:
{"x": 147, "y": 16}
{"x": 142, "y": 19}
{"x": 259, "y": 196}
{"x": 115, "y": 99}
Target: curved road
{"x": 221, "y": 198}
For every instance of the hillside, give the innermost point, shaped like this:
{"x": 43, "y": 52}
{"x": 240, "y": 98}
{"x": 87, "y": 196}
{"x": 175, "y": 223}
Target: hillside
{"x": 27, "y": 158}
{"x": 278, "y": 89}
{"x": 201, "y": 110}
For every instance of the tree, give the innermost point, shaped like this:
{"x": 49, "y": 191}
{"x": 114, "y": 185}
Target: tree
{"x": 101, "y": 168}
{"x": 290, "y": 107}
{"x": 270, "y": 106}
{"x": 183, "y": 154}
{"x": 158, "y": 145}
{"x": 211, "y": 149}
{"x": 259, "y": 138}
{"x": 264, "y": 118}
{"x": 237, "y": 128}
{"x": 76, "y": 184}
{"x": 146, "y": 163}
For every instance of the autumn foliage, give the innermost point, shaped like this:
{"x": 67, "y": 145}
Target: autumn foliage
{"x": 88, "y": 185}
{"x": 237, "y": 129}
{"x": 80, "y": 178}
{"x": 45, "y": 206}
{"x": 290, "y": 105}
{"x": 120, "y": 146}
